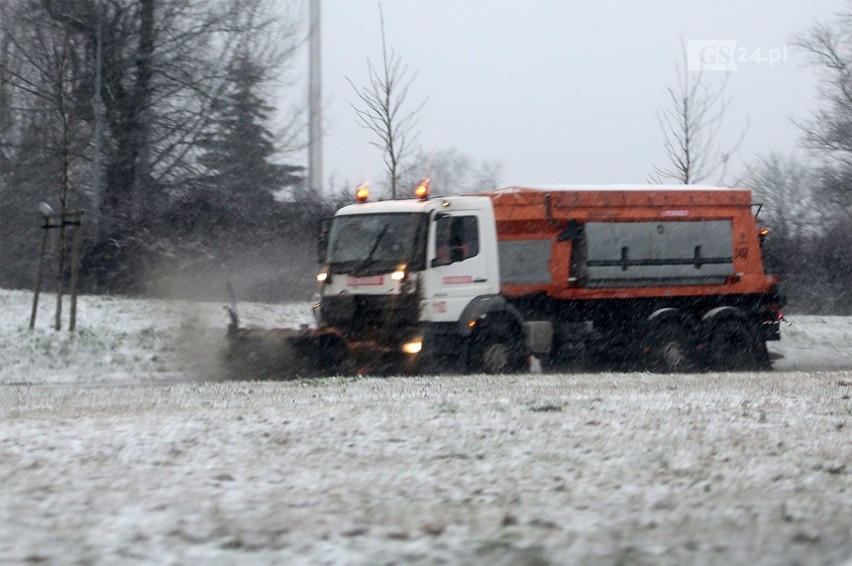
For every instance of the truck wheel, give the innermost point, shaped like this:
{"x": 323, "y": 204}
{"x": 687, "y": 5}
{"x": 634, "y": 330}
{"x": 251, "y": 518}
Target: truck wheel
{"x": 496, "y": 353}
{"x": 672, "y": 350}
{"x": 732, "y": 347}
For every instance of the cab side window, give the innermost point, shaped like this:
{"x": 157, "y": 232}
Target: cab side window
{"x": 457, "y": 239}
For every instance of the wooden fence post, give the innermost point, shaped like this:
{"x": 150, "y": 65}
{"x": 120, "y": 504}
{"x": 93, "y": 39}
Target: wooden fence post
{"x": 45, "y": 227}
{"x": 75, "y": 268}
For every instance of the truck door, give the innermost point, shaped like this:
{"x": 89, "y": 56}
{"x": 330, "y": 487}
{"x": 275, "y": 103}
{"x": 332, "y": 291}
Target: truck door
{"x": 458, "y": 262}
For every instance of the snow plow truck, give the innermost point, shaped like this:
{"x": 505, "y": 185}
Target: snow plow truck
{"x": 664, "y": 278}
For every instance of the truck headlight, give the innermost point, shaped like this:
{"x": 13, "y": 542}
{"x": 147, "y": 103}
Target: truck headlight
{"x": 413, "y": 347}
{"x": 400, "y": 273}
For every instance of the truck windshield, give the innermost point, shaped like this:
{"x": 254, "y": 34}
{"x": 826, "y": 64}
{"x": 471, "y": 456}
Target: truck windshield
{"x": 374, "y": 243}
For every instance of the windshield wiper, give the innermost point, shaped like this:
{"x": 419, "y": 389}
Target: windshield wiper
{"x": 369, "y": 259}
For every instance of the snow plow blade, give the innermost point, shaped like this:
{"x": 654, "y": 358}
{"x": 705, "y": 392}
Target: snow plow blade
{"x": 292, "y": 353}
{"x": 284, "y": 353}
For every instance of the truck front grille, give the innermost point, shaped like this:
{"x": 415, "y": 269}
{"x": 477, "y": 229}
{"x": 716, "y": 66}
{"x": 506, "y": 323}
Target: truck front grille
{"x": 365, "y": 316}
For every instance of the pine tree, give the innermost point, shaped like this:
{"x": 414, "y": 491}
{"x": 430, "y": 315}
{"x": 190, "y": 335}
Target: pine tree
{"x": 237, "y": 154}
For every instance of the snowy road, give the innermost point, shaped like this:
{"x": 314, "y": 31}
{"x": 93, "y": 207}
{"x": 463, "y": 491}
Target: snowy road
{"x": 123, "y": 341}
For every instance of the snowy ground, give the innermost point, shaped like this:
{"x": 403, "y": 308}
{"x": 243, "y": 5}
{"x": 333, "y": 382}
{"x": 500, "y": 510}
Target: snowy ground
{"x": 119, "y": 444}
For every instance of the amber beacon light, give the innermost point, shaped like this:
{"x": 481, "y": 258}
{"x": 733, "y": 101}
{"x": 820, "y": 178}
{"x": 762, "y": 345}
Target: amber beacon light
{"x": 421, "y": 191}
{"x": 362, "y": 193}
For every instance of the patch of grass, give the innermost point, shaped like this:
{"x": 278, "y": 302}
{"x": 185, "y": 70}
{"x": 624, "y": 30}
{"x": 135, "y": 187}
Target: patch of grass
{"x": 547, "y": 406}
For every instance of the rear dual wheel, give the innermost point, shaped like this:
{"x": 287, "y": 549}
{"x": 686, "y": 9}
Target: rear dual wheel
{"x": 730, "y": 346}
{"x": 673, "y": 350}
{"x": 733, "y": 347}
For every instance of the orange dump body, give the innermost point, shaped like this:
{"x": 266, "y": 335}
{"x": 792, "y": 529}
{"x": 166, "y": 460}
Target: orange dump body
{"x": 538, "y": 214}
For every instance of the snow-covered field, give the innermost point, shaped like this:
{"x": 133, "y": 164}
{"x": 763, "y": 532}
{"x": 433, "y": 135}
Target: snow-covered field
{"x": 120, "y": 444}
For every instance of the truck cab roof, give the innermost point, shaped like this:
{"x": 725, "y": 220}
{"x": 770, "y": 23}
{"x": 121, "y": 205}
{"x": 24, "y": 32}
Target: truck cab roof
{"x": 412, "y": 205}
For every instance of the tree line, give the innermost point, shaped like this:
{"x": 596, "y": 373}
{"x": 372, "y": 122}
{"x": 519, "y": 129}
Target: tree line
{"x": 153, "y": 118}
{"x": 809, "y": 200}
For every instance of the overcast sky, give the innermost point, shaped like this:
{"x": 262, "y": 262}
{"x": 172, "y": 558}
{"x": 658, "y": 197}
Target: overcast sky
{"x": 562, "y": 91}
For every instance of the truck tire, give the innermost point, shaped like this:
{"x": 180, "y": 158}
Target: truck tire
{"x": 733, "y": 347}
{"x": 497, "y": 352}
{"x": 672, "y": 350}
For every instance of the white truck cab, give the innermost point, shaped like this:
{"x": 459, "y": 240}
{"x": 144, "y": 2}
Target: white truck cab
{"x": 447, "y": 246}
{"x": 410, "y": 275}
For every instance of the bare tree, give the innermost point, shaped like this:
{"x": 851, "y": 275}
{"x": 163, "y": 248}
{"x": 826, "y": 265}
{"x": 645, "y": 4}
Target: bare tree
{"x": 382, "y": 112}
{"x": 829, "y": 133}
{"x": 7, "y": 116}
{"x": 41, "y": 70}
{"x": 691, "y": 126}
{"x": 786, "y": 186}
{"x": 808, "y": 242}
{"x": 42, "y": 65}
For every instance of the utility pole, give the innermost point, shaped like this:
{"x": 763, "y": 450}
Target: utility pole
{"x": 96, "y": 161}
{"x": 314, "y": 103}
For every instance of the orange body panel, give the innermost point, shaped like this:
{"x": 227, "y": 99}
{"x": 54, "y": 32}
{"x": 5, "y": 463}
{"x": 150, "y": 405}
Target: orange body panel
{"x": 536, "y": 213}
